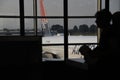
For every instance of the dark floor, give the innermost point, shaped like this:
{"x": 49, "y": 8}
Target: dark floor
{"x": 44, "y": 71}
{"x": 61, "y": 70}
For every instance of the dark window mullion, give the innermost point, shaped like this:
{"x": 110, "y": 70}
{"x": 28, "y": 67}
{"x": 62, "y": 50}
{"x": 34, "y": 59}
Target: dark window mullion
{"x": 22, "y": 27}
{"x": 8, "y": 16}
{"x": 35, "y": 15}
{"x": 107, "y": 4}
{"x": 66, "y": 30}
{"x": 81, "y": 16}
{"x": 43, "y": 17}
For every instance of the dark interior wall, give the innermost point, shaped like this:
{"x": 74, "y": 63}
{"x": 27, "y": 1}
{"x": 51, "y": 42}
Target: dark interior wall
{"x": 20, "y": 57}
{"x": 20, "y": 50}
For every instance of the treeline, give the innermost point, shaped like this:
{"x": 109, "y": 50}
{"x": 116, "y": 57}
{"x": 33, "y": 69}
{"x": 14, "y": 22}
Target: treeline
{"x": 56, "y": 29}
{"x": 83, "y": 29}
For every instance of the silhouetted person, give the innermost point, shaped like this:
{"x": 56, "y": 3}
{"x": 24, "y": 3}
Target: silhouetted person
{"x": 101, "y": 52}
{"x": 110, "y": 61}
{"x": 116, "y": 21}
{"x": 103, "y": 19}
{"x": 85, "y": 50}
{"x": 115, "y": 40}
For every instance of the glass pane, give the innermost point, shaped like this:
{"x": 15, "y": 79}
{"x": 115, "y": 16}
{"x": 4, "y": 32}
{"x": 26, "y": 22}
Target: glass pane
{"x": 50, "y": 7}
{"x": 29, "y": 27}
{"x": 74, "y": 53}
{"x": 103, "y": 4}
{"x": 9, "y": 7}
{"x": 82, "y": 7}
{"x": 114, "y": 5}
{"x": 53, "y": 53}
{"x": 28, "y": 5}
{"x": 52, "y": 31}
{"x": 82, "y": 31}
{"x": 9, "y": 27}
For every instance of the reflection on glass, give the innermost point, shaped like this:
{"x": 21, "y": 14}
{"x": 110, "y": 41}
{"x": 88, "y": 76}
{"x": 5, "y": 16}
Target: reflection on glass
{"x": 82, "y": 7}
{"x": 9, "y": 27}
{"x": 9, "y": 7}
{"x": 50, "y": 7}
{"x": 82, "y": 31}
{"x": 53, "y": 53}
{"x": 52, "y": 31}
{"x": 28, "y": 5}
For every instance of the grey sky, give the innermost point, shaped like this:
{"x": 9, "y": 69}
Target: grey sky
{"x": 9, "y": 7}
{"x": 53, "y": 8}
{"x": 82, "y": 7}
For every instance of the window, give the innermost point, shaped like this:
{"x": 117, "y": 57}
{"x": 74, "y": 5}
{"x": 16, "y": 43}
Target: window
{"x": 29, "y": 27}
{"x": 55, "y": 30}
{"x": 52, "y": 7}
{"x": 28, "y": 7}
{"x": 114, "y": 5}
{"x": 82, "y": 7}
{"x": 57, "y": 17}
{"x": 52, "y": 27}
{"x": 82, "y": 28}
{"x": 9, "y": 27}
{"x": 7, "y": 7}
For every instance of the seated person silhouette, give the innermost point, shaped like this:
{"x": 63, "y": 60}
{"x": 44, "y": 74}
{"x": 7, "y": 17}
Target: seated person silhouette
{"x": 85, "y": 51}
{"x": 116, "y": 21}
{"x": 115, "y": 40}
{"x": 103, "y": 18}
{"x": 89, "y": 57}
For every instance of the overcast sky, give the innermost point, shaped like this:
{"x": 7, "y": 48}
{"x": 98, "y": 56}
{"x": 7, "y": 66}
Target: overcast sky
{"x": 53, "y": 8}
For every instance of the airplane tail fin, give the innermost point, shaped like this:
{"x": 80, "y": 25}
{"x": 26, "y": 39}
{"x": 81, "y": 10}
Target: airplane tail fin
{"x": 45, "y": 27}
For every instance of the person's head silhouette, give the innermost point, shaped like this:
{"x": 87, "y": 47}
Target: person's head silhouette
{"x": 116, "y": 19}
{"x": 103, "y": 18}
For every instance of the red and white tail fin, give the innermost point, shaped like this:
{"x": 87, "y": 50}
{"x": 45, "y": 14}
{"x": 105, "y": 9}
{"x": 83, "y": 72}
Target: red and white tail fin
{"x": 45, "y": 27}
{"x": 43, "y": 12}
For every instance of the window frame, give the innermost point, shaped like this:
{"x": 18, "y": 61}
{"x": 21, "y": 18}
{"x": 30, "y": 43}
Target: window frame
{"x": 65, "y": 18}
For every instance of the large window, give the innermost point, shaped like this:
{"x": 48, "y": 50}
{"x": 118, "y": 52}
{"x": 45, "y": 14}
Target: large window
{"x": 64, "y": 25}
